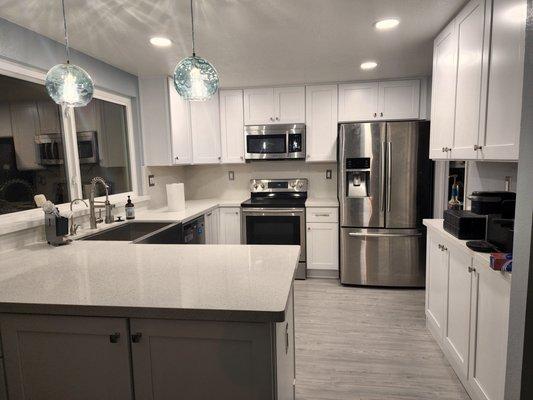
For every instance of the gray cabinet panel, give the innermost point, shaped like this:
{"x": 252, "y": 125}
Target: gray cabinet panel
{"x": 201, "y": 360}
{"x": 54, "y": 357}
{"x": 3, "y": 388}
{"x": 285, "y": 366}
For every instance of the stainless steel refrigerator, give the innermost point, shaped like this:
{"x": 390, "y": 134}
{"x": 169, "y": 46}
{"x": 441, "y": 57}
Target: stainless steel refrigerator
{"x": 385, "y": 190}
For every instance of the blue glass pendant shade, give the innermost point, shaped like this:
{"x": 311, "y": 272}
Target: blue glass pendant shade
{"x": 69, "y": 85}
{"x": 195, "y": 79}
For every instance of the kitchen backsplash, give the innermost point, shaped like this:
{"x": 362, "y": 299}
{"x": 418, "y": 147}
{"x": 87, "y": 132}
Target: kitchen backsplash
{"x": 212, "y": 181}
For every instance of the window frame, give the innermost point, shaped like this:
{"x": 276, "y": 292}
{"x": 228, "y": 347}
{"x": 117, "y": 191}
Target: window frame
{"x": 68, "y": 122}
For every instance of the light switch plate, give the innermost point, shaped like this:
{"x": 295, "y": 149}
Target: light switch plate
{"x": 151, "y": 180}
{"x": 231, "y": 175}
{"x": 328, "y": 174}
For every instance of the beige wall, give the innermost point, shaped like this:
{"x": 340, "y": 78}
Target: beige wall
{"x": 211, "y": 181}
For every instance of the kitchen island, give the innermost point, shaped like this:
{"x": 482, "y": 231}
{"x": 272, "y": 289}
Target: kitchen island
{"x": 115, "y": 320}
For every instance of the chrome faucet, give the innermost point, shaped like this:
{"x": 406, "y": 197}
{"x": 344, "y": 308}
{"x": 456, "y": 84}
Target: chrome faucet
{"x": 74, "y": 227}
{"x": 99, "y": 204}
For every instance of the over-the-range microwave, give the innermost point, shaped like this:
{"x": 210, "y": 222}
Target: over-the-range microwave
{"x": 275, "y": 142}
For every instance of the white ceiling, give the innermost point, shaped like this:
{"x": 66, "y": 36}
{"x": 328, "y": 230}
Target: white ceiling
{"x": 250, "y": 42}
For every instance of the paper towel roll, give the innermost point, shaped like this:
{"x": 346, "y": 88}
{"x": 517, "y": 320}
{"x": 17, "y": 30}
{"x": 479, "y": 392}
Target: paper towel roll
{"x": 176, "y": 197}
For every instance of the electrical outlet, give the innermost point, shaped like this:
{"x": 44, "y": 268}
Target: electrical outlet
{"x": 328, "y": 174}
{"x": 231, "y": 175}
{"x": 151, "y": 180}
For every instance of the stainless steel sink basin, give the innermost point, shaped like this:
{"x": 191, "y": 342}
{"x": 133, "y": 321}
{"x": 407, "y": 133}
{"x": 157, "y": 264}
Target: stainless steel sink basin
{"x": 129, "y": 231}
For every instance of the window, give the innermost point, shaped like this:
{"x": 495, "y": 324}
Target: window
{"x": 103, "y": 146}
{"x": 31, "y": 146}
{"x": 36, "y": 155}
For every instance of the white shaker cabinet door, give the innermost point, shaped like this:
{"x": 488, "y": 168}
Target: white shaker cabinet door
{"x": 506, "y": 65}
{"x": 48, "y": 117}
{"x": 289, "y": 105}
{"x": 321, "y": 122}
{"x": 323, "y": 245}
{"x": 212, "y": 227}
{"x": 358, "y": 102}
{"x": 205, "y": 131}
{"x": 180, "y": 127}
{"x": 443, "y": 92}
{"x": 488, "y": 360}
{"x": 457, "y": 331}
{"x": 399, "y": 100}
{"x": 25, "y": 123}
{"x": 230, "y": 225}
{"x": 259, "y": 106}
{"x": 232, "y": 126}
{"x": 472, "y": 69}
{"x": 436, "y": 285}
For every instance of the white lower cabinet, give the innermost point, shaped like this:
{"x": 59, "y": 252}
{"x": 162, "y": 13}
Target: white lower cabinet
{"x": 323, "y": 245}
{"x": 230, "y": 225}
{"x": 467, "y": 311}
{"x": 212, "y": 226}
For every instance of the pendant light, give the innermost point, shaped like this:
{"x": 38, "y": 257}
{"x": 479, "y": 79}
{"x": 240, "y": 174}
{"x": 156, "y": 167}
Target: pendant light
{"x": 195, "y": 79}
{"x": 69, "y": 85}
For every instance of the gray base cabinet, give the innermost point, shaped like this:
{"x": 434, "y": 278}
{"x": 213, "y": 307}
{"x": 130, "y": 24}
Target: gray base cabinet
{"x": 75, "y": 358}
{"x": 87, "y": 358}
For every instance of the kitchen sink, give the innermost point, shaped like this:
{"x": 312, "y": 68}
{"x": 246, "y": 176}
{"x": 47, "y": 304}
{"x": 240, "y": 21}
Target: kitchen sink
{"x": 129, "y": 231}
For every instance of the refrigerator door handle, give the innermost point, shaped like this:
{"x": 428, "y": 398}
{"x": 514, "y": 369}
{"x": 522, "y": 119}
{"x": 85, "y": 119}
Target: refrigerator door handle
{"x": 382, "y": 176}
{"x": 389, "y": 174}
{"x": 361, "y": 234}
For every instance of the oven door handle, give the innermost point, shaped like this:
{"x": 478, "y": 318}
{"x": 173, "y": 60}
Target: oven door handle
{"x": 272, "y": 210}
{"x": 361, "y": 234}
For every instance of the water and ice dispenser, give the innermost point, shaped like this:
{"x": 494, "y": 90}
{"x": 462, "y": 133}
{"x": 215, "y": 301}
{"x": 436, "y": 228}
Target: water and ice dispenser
{"x": 357, "y": 177}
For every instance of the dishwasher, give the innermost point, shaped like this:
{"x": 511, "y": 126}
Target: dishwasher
{"x": 194, "y": 231}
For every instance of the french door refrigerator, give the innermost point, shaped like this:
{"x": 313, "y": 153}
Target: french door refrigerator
{"x": 385, "y": 190}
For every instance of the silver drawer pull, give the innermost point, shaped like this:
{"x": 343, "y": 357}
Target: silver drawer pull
{"x": 322, "y": 215}
{"x": 360, "y": 234}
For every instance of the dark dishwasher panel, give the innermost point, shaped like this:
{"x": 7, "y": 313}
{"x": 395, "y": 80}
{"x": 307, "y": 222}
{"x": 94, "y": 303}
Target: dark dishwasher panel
{"x": 171, "y": 235}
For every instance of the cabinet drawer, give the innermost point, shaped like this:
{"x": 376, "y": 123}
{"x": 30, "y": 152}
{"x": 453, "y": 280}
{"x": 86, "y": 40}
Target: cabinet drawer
{"x": 322, "y": 214}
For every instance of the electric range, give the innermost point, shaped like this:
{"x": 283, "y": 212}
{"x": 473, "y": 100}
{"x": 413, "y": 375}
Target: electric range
{"x": 275, "y": 214}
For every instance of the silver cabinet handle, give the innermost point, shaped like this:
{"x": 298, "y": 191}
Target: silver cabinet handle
{"x": 361, "y": 234}
{"x": 383, "y": 184}
{"x": 381, "y": 114}
{"x": 272, "y": 118}
{"x": 287, "y": 338}
{"x": 471, "y": 269}
{"x": 389, "y": 174}
{"x": 209, "y": 214}
{"x": 477, "y": 147}
{"x": 277, "y": 118}
{"x": 375, "y": 115}
{"x": 322, "y": 215}
{"x": 440, "y": 246}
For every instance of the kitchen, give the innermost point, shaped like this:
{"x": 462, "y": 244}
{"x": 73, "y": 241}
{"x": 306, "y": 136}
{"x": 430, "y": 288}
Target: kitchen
{"x": 314, "y": 176}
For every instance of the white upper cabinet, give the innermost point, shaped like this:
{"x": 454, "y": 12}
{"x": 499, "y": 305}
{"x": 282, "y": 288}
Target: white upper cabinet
{"x": 205, "y": 127}
{"x": 443, "y": 92}
{"x": 289, "y": 105}
{"x": 358, "y": 101}
{"x": 282, "y": 105}
{"x": 48, "y": 117}
{"x": 5, "y": 121}
{"x": 504, "y": 106}
{"x": 477, "y": 83}
{"x": 25, "y": 123}
{"x": 379, "y": 101}
{"x": 86, "y": 117}
{"x": 471, "y": 79}
{"x": 321, "y": 122}
{"x": 399, "y": 99}
{"x": 180, "y": 127}
{"x": 232, "y": 126}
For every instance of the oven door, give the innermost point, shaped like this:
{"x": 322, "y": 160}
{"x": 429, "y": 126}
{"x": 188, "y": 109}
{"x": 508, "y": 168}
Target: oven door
{"x": 274, "y": 226}
{"x": 266, "y": 146}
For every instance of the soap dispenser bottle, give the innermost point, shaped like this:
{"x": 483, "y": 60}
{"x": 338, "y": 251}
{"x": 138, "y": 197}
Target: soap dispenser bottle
{"x": 130, "y": 209}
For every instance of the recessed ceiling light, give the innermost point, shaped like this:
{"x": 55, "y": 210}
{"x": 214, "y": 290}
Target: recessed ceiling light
{"x": 388, "y": 23}
{"x": 160, "y": 41}
{"x": 369, "y": 65}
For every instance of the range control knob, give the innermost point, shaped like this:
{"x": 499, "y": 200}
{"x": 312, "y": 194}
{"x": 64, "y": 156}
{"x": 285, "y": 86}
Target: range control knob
{"x": 300, "y": 185}
{"x": 262, "y": 185}
{"x": 255, "y": 186}
{"x": 292, "y": 184}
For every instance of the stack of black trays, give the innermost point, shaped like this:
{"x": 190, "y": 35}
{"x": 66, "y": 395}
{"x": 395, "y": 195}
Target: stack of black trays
{"x": 465, "y": 225}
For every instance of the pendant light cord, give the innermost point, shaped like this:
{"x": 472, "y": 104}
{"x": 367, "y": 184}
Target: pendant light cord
{"x": 67, "y": 48}
{"x": 192, "y": 28}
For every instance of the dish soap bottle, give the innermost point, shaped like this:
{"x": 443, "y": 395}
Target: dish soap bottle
{"x": 130, "y": 209}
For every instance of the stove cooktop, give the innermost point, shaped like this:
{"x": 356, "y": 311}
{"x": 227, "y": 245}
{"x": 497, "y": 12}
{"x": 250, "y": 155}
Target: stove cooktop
{"x": 271, "y": 202}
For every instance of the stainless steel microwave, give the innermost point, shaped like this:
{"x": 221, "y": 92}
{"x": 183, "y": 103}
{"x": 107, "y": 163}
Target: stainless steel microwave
{"x": 50, "y": 148}
{"x": 275, "y": 142}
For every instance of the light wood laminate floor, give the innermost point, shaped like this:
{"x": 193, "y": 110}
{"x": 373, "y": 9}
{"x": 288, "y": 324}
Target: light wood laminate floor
{"x": 364, "y": 343}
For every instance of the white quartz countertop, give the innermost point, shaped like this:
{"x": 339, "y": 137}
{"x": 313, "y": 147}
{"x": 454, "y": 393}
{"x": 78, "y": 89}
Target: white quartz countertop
{"x": 120, "y": 279}
{"x": 322, "y": 202}
{"x": 437, "y": 224}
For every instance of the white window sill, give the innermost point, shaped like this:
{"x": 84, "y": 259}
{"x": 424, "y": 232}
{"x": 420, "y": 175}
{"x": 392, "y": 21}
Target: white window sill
{"x": 28, "y": 219}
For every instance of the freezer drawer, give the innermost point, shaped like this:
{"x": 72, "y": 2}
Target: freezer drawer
{"x": 382, "y": 257}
